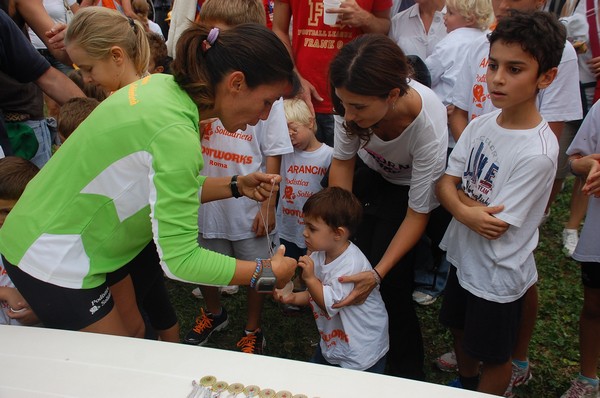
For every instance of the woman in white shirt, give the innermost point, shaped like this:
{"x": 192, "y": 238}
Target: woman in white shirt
{"x": 390, "y": 149}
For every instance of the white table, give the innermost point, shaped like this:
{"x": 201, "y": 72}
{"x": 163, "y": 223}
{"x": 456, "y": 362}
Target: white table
{"x": 36, "y": 362}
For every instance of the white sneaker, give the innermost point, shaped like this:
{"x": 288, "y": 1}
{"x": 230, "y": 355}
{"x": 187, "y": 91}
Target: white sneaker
{"x": 581, "y": 389}
{"x": 197, "y": 293}
{"x": 423, "y": 298}
{"x": 447, "y": 362}
{"x": 228, "y": 290}
{"x": 570, "y": 239}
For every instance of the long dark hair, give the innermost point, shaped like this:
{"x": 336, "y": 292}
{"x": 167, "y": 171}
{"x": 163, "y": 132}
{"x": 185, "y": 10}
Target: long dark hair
{"x": 250, "y": 48}
{"x": 370, "y": 65}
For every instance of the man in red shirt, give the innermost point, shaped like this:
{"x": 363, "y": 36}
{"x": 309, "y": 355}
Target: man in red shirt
{"x": 313, "y": 44}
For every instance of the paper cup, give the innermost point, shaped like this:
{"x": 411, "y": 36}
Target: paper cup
{"x": 330, "y": 18}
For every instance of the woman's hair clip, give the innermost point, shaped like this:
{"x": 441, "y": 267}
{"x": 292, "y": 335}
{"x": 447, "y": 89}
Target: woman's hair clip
{"x": 210, "y": 39}
{"x": 131, "y": 22}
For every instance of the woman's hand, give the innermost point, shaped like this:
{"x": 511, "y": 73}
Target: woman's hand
{"x": 364, "y": 283}
{"x": 259, "y": 186}
{"x": 283, "y": 267}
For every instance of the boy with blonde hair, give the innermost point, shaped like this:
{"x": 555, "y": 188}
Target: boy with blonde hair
{"x": 301, "y": 172}
{"x": 465, "y": 20}
{"x": 233, "y": 12}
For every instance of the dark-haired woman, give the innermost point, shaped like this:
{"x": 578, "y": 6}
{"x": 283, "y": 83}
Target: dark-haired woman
{"x": 390, "y": 148}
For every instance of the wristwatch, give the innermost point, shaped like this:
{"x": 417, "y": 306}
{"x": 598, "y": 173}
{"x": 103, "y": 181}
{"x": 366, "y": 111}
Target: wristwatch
{"x": 266, "y": 281}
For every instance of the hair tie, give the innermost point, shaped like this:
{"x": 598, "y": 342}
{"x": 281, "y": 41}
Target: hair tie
{"x": 210, "y": 39}
{"x": 131, "y": 22}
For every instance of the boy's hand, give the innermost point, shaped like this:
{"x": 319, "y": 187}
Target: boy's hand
{"x": 308, "y": 268}
{"x": 19, "y": 308}
{"x": 266, "y": 214}
{"x": 481, "y": 220}
{"x": 592, "y": 182}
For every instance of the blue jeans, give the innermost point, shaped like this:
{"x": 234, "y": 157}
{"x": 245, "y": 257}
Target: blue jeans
{"x": 41, "y": 128}
{"x": 318, "y": 357}
{"x": 424, "y": 277}
{"x": 325, "y": 128}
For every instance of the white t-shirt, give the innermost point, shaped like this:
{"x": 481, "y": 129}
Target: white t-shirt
{"x": 417, "y": 157}
{"x": 560, "y": 102}
{"x": 578, "y": 30}
{"x": 408, "y": 31}
{"x": 57, "y": 11}
{"x": 155, "y": 28}
{"x": 5, "y": 282}
{"x": 241, "y": 152}
{"x": 354, "y": 336}
{"x": 514, "y": 168}
{"x": 587, "y": 142}
{"x": 447, "y": 58}
{"x": 302, "y": 173}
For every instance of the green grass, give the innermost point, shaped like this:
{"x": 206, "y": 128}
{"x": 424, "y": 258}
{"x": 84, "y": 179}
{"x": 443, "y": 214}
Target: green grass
{"x": 554, "y": 352}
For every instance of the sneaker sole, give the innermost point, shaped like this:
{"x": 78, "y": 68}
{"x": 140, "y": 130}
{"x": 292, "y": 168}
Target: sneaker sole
{"x": 525, "y": 381}
{"x": 203, "y": 342}
{"x": 446, "y": 368}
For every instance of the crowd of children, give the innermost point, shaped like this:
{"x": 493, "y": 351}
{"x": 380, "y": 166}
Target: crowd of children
{"x": 213, "y": 168}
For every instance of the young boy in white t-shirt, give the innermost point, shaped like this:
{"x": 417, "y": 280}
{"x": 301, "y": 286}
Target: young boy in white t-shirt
{"x": 505, "y": 162}
{"x": 466, "y": 21}
{"x": 15, "y": 173}
{"x": 354, "y": 336}
{"x": 301, "y": 172}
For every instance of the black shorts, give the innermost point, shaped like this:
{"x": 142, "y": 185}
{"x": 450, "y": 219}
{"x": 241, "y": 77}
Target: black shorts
{"x": 60, "y": 307}
{"x": 150, "y": 291}
{"x": 590, "y": 275}
{"x": 490, "y": 328}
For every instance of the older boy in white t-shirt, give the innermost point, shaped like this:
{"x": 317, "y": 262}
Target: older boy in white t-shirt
{"x": 505, "y": 162}
{"x": 354, "y": 336}
{"x": 558, "y": 103}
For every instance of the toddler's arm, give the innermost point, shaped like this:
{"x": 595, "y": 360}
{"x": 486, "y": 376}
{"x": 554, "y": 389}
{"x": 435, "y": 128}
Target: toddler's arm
{"x": 314, "y": 285}
{"x": 478, "y": 218}
{"x": 300, "y": 298}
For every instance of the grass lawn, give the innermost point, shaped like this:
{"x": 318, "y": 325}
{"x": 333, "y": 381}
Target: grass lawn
{"x": 553, "y": 351}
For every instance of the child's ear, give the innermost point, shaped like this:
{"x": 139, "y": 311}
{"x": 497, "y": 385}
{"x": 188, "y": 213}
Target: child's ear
{"x": 547, "y": 78}
{"x": 159, "y": 69}
{"x": 341, "y": 233}
{"x": 117, "y": 54}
